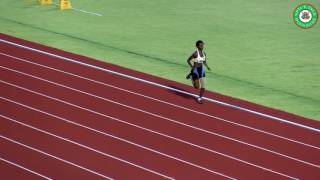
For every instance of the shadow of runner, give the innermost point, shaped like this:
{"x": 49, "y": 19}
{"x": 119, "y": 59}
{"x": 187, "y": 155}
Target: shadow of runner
{"x": 179, "y": 93}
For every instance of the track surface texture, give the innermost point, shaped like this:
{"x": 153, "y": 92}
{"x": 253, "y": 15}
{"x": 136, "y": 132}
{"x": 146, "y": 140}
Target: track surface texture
{"x": 65, "y": 116}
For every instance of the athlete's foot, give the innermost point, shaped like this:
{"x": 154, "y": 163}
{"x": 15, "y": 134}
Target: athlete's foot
{"x": 199, "y": 100}
{"x": 188, "y": 76}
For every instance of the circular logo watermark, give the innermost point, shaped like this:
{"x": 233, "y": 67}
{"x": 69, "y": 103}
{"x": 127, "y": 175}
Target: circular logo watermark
{"x": 305, "y": 16}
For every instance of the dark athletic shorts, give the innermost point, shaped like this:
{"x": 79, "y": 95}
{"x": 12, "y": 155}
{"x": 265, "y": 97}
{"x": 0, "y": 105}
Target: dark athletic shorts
{"x": 198, "y": 73}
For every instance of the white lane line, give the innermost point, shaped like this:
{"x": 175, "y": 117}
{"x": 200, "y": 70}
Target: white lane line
{"x": 24, "y": 168}
{"x": 84, "y": 146}
{"x": 164, "y": 102}
{"x": 161, "y": 101}
{"x": 109, "y": 135}
{"x": 116, "y": 119}
{"x": 83, "y": 11}
{"x": 168, "y": 119}
{"x": 162, "y": 86}
{"x": 87, "y": 12}
{"x": 55, "y": 157}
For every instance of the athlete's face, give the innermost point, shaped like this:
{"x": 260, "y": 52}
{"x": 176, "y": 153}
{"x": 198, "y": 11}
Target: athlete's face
{"x": 200, "y": 46}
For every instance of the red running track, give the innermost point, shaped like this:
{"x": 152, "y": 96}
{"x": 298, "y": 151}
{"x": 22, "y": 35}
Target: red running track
{"x": 64, "y": 120}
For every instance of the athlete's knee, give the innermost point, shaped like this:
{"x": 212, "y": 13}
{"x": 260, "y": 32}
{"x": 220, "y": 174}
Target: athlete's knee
{"x": 196, "y": 85}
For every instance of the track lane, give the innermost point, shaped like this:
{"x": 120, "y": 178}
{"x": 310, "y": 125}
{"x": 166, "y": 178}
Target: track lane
{"x": 217, "y": 110}
{"x": 106, "y": 167}
{"x": 74, "y": 96}
{"x": 283, "y": 146}
{"x": 133, "y": 156}
{"x": 108, "y": 144}
{"x": 31, "y": 159}
{"x": 12, "y": 170}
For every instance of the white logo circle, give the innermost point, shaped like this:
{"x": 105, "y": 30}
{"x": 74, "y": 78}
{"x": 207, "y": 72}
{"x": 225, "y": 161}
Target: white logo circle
{"x": 305, "y": 16}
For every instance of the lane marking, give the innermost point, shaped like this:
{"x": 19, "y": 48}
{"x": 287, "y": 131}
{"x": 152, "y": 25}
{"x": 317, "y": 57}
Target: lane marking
{"x": 116, "y": 119}
{"x": 84, "y": 146}
{"x": 163, "y": 86}
{"x": 124, "y": 140}
{"x": 54, "y": 157}
{"x": 87, "y": 12}
{"x": 165, "y": 118}
{"x": 24, "y": 168}
{"x": 83, "y": 11}
{"x": 165, "y": 102}
{"x": 107, "y": 134}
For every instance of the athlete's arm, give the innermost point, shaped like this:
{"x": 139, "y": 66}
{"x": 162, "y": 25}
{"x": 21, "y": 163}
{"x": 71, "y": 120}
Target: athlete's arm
{"x": 194, "y": 55}
{"x": 205, "y": 63}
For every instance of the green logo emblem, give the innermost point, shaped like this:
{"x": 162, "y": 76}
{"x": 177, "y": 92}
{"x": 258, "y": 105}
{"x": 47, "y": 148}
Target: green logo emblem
{"x": 305, "y": 16}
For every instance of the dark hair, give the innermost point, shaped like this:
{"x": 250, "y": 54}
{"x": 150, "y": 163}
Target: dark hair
{"x": 199, "y": 42}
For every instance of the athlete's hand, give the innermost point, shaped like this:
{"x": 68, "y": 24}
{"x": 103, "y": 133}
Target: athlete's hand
{"x": 209, "y": 68}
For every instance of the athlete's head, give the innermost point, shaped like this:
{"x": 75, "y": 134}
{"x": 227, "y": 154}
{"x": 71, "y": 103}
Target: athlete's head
{"x": 200, "y": 45}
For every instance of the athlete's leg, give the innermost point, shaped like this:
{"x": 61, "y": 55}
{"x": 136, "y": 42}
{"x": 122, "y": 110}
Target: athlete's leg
{"x": 203, "y": 86}
{"x": 202, "y": 90}
{"x": 189, "y": 75}
{"x": 195, "y": 78}
{"x": 196, "y": 83}
{"x": 191, "y": 72}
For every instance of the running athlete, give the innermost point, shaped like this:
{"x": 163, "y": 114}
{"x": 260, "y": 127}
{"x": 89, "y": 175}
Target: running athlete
{"x": 197, "y": 70}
